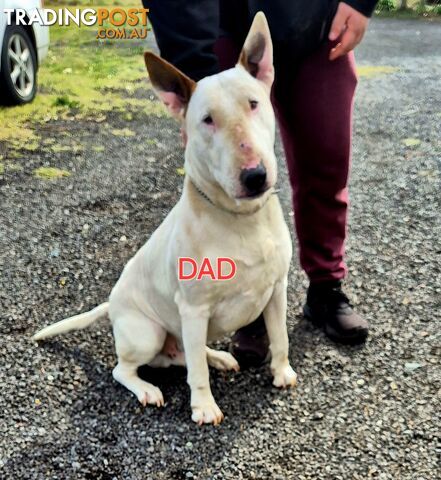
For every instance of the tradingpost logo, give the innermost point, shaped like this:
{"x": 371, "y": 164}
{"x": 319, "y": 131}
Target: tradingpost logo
{"x": 114, "y": 23}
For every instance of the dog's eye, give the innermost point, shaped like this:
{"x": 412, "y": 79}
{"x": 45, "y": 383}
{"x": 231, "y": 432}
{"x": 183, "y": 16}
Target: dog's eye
{"x": 208, "y": 120}
{"x": 253, "y": 104}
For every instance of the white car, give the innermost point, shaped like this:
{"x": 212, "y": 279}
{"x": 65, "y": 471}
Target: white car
{"x": 22, "y": 48}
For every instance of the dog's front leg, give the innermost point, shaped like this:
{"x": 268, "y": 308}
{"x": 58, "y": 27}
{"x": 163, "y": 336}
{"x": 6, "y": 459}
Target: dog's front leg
{"x": 194, "y": 335}
{"x": 275, "y": 322}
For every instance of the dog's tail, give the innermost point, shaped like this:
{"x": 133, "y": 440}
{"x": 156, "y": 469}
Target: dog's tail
{"x": 77, "y": 322}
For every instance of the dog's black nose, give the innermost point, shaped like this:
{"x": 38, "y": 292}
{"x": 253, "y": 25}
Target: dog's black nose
{"x": 253, "y": 179}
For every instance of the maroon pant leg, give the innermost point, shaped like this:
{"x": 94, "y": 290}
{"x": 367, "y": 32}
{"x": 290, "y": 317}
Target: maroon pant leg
{"x": 314, "y": 113}
{"x": 227, "y": 52}
{"x": 315, "y": 119}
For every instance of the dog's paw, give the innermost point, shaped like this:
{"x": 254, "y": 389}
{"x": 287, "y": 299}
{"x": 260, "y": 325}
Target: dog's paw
{"x": 151, "y": 395}
{"x": 222, "y": 360}
{"x": 285, "y": 378}
{"x": 208, "y": 413}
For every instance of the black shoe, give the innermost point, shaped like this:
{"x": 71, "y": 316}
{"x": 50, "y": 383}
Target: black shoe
{"x": 250, "y": 344}
{"x": 329, "y": 308}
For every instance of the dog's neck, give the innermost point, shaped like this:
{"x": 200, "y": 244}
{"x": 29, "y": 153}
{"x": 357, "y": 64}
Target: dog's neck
{"x": 206, "y": 197}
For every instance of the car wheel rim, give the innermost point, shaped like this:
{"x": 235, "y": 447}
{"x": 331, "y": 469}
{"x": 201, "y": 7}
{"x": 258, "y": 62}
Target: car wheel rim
{"x": 21, "y": 65}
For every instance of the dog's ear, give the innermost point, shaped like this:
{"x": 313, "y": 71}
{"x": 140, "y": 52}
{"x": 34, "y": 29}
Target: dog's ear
{"x": 172, "y": 86}
{"x": 257, "y": 53}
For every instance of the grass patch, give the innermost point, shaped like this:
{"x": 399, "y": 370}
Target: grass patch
{"x": 57, "y": 148}
{"x": 50, "y": 173}
{"x": 123, "y": 132}
{"x": 411, "y": 142}
{"x": 370, "y": 71}
{"x": 98, "y": 148}
{"x": 17, "y": 136}
{"x": 414, "y": 9}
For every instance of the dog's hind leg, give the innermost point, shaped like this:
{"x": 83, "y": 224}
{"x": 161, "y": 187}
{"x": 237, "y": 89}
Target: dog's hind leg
{"x": 221, "y": 360}
{"x": 138, "y": 341}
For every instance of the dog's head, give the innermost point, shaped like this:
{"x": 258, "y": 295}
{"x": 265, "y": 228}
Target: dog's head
{"x": 228, "y": 122}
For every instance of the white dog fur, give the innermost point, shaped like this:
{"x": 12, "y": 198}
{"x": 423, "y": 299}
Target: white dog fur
{"x": 158, "y": 319}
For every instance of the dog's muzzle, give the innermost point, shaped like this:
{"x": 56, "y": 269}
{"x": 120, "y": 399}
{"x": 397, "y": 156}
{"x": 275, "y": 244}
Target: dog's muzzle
{"x": 253, "y": 180}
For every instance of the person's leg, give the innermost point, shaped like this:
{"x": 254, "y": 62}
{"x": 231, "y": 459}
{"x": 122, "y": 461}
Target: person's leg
{"x": 315, "y": 118}
{"x": 227, "y": 52}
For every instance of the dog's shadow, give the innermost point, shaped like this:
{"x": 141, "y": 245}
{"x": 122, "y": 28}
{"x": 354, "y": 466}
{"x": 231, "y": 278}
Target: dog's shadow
{"x": 226, "y": 386}
{"x": 112, "y": 414}
{"x": 172, "y": 381}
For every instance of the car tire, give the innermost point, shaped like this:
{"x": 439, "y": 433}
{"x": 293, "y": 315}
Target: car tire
{"x": 18, "y": 72}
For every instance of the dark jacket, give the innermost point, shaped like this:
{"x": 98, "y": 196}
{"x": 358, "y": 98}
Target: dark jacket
{"x": 186, "y": 30}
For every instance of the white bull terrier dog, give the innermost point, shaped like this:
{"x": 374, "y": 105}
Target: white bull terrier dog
{"x": 227, "y": 209}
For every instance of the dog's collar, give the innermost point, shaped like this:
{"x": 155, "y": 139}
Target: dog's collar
{"x": 208, "y": 199}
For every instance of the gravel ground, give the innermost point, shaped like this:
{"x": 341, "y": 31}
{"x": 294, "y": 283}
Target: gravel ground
{"x": 358, "y": 413}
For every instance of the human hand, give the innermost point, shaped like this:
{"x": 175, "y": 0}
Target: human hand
{"x": 349, "y": 25}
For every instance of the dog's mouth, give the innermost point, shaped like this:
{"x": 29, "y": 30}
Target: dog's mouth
{"x": 252, "y": 195}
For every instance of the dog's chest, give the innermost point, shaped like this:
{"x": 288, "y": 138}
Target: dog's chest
{"x": 242, "y": 299}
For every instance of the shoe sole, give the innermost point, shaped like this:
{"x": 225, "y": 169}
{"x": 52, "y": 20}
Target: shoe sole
{"x": 249, "y": 359}
{"x": 356, "y": 339}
